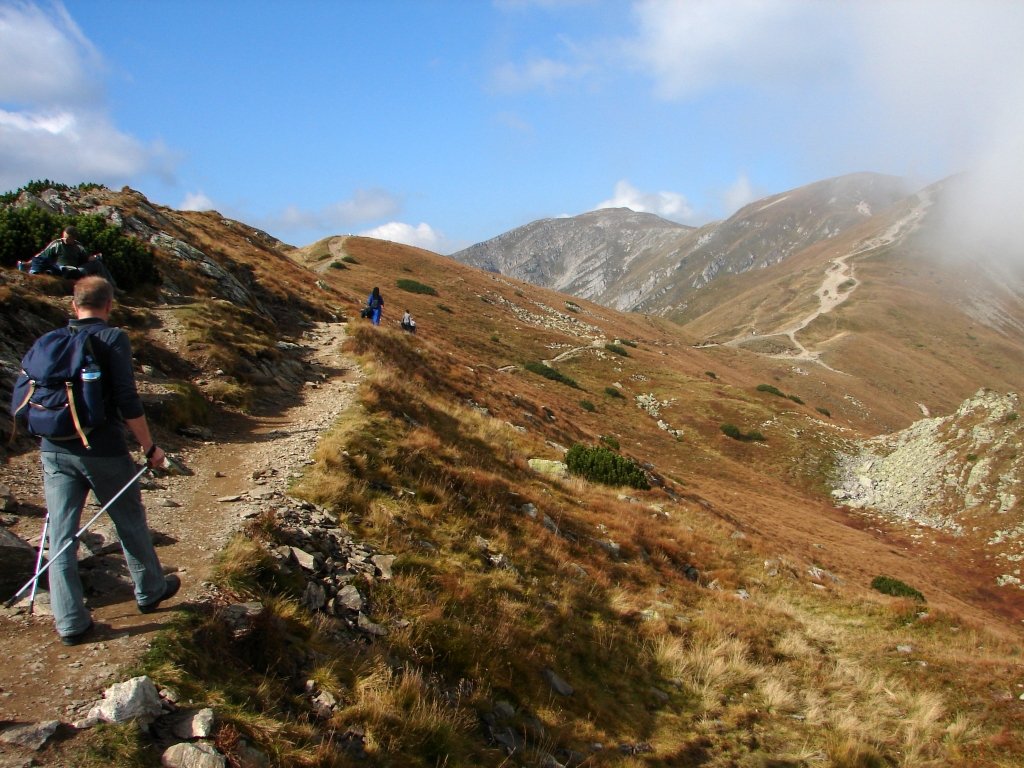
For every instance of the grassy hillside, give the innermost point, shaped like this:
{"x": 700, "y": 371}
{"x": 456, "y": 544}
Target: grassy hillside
{"x": 722, "y": 617}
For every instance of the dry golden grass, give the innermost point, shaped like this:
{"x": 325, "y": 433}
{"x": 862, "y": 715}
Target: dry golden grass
{"x": 793, "y": 675}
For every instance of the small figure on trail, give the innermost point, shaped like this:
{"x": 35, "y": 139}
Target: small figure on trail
{"x": 67, "y": 257}
{"x": 375, "y": 305}
{"x": 74, "y": 465}
{"x": 408, "y": 324}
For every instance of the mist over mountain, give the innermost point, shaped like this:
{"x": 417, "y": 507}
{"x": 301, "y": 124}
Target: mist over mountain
{"x": 388, "y": 560}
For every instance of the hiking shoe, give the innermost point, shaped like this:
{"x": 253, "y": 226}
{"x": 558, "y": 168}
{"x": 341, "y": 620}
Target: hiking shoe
{"x": 79, "y": 638}
{"x": 173, "y": 585}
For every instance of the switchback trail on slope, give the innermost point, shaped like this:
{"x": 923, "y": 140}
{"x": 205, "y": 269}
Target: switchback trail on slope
{"x": 250, "y": 458}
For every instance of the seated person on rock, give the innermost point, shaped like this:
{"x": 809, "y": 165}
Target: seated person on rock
{"x": 66, "y": 257}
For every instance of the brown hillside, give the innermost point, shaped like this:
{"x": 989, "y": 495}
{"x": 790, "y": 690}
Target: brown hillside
{"x": 722, "y": 616}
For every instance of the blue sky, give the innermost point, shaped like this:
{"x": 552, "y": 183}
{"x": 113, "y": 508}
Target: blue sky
{"x": 441, "y": 123}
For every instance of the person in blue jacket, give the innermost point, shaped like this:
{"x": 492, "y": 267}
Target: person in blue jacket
{"x": 375, "y": 305}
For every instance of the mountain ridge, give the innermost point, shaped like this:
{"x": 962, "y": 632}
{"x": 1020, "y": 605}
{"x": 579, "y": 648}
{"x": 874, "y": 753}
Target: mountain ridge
{"x": 530, "y": 619}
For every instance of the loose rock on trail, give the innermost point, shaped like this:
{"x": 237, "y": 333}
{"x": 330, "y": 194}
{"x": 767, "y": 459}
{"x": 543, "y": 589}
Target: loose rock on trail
{"x": 249, "y": 462}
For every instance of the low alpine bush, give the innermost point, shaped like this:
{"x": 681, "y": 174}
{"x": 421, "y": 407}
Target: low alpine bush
{"x": 550, "y": 373}
{"x": 889, "y": 586}
{"x": 414, "y": 286}
{"x": 603, "y": 465}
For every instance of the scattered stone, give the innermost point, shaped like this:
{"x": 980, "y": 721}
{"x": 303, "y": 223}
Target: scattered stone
{"x": 241, "y": 618}
{"x": 31, "y": 735}
{"x": 315, "y": 596}
{"x": 349, "y": 599}
{"x": 8, "y": 503}
{"x": 365, "y": 625}
{"x": 188, "y": 755}
{"x": 558, "y": 685}
{"x": 229, "y": 499}
{"x": 549, "y": 468}
{"x": 17, "y": 562}
{"x": 383, "y": 564}
{"x": 196, "y": 725}
{"x": 133, "y": 699}
{"x": 905, "y": 649}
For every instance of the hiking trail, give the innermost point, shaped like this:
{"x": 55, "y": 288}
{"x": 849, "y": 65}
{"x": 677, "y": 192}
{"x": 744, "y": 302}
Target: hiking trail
{"x": 253, "y": 458}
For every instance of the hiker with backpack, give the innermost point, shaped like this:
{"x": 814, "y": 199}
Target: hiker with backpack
{"x": 84, "y": 447}
{"x": 374, "y": 306}
{"x": 408, "y": 324}
{"x": 66, "y": 257}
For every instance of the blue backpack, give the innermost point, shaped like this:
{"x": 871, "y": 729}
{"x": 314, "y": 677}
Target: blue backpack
{"x": 59, "y": 392}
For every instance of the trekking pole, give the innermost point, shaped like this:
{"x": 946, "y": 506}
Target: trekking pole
{"x": 39, "y": 562}
{"x": 74, "y": 539}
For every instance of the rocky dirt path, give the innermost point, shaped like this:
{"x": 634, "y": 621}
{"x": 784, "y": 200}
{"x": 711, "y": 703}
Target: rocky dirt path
{"x": 838, "y": 285}
{"x": 250, "y": 459}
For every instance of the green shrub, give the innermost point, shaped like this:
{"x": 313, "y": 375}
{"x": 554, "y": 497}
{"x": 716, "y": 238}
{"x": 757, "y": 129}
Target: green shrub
{"x": 550, "y": 373}
{"x": 628, "y": 342}
{"x": 613, "y": 392}
{"x": 26, "y": 231}
{"x": 972, "y": 457}
{"x": 586, "y": 405}
{"x": 610, "y": 441}
{"x": 824, "y": 412}
{"x": 338, "y": 265}
{"x": 35, "y": 187}
{"x": 889, "y": 586}
{"x": 413, "y": 286}
{"x": 602, "y": 465}
{"x": 731, "y": 430}
{"x": 711, "y": 374}
{"x": 795, "y": 399}
{"x": 617, "y": 349}
{"x": 771, "y": 389}
{"x": 349, "y": 259}
{"x": 446, "y": 308}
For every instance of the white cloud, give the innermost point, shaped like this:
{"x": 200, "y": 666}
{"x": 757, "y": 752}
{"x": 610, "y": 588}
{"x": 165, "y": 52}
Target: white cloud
{"x": 420, "y": 236}
{"x": 701, "y": 44}
{"x": 55, "y": 122}
{"x": 738, "y": 194}
{"x": 197, "y": 201}
{"x": 45, "y": 58}
{"x": 537, "y": 73}
{"x": 364, "y": 206}
{"x": 668, "y": 205}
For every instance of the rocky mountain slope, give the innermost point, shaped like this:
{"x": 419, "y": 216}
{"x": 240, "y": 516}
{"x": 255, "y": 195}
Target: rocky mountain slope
{"x": 633, "y": 261}
{"x": 416, "y": 591}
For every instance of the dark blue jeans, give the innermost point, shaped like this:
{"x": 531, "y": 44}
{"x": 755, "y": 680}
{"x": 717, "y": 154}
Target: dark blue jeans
{"x": 66, "y": 483}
